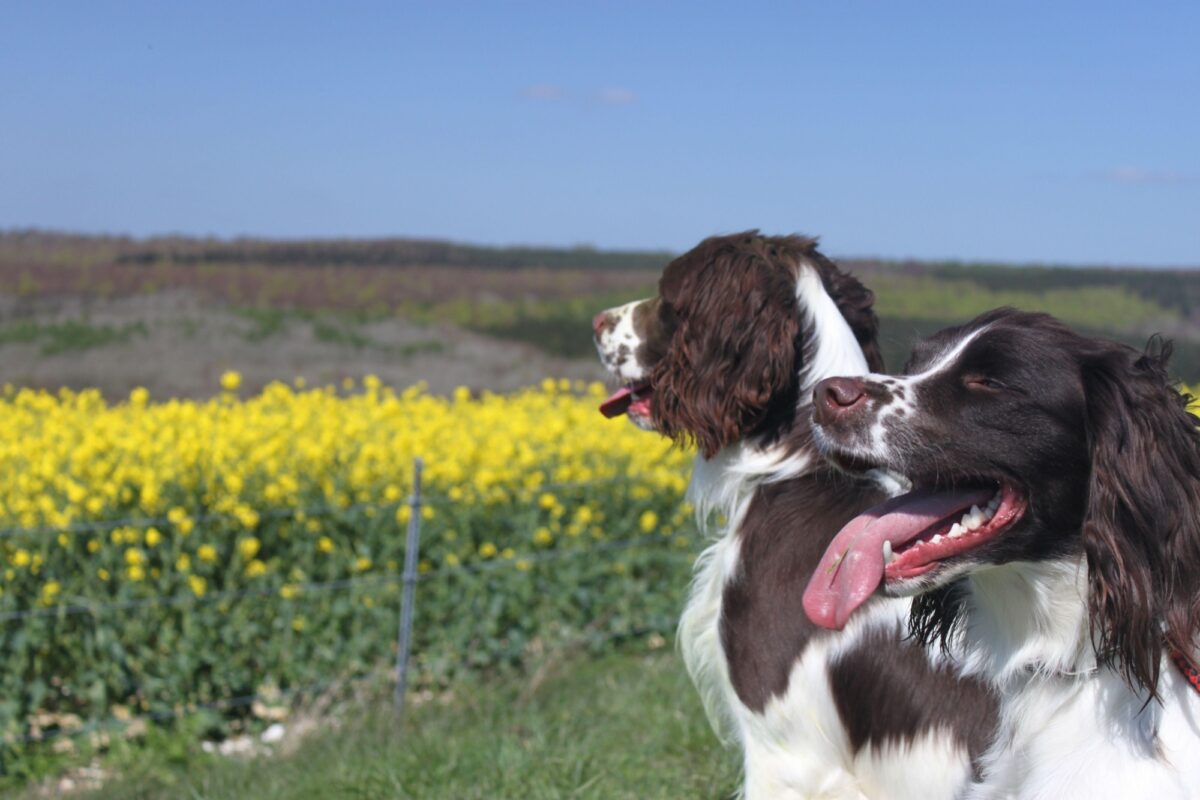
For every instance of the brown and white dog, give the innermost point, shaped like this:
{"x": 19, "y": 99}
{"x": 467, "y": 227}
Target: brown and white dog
{"x": 1052, "y": 540}
{"x": 726, "y": 356}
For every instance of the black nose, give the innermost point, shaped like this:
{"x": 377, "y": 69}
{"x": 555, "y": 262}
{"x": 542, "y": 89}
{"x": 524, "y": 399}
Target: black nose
{"x": 835, "y": 397}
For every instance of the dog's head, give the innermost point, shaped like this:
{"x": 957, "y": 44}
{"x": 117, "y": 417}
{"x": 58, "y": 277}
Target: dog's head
{"x": 1025, "y": 442}
{"x": 741, "y": 326}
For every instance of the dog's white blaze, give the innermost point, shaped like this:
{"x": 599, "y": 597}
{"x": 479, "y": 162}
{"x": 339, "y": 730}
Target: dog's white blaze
{"x": 877, "y": 447}
{"x": 838, "y": 351}
{"x": 942, "y": 361}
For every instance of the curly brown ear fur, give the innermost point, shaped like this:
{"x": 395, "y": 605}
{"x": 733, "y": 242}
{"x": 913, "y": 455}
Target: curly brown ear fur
{"x": 1141, "y": 531}
{"x": 725, "y": 377}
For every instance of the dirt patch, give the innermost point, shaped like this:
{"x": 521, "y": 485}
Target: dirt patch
{"x": 176, "y": 344}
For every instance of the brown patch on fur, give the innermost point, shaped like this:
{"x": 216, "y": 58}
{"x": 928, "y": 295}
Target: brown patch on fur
{"x": 887, "y": 692}
{"x": 788, "y": 526}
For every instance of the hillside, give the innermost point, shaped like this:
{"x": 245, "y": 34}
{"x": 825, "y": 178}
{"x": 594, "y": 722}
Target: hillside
{"x": 340, "y": 292}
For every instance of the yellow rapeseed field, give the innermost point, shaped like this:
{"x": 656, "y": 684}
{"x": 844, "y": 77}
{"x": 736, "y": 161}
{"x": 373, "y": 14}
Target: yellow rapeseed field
{"x": 233, "y": 509}
{"x": 70, "y": 459}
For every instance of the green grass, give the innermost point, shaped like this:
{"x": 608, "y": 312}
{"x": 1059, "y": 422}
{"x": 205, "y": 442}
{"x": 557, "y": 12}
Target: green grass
{"x": 626, "y": 725}
{"x": 1107, "y": 307}
{"x": 72, "y": 335}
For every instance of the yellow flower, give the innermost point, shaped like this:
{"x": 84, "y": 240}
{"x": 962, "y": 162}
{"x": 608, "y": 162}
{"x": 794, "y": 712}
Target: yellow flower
{"x": 247, "y": 516}
{"x": 50, "y": 590}
{"x": 183, "y": 563}
{"x": 102, "y": 573}
{"x": 325, "y": 544}
{"x": 230, "y": 381}
{"x": 255, "y": 569}
{"x": 207, "y": 553}
{"x": 523, "y": 565}
{"x": 134, "y": 557}
{"x": 648, "y": 521}
{"x": 198, "y": 585}
{"x": 452, "y": 560}
{"x": 487, "y": 550}
{"x": 298, "y": 624}
{"x": 362, "y": 564}
{"x": 153, "y": 537}
{"x": 19, "y": 559}
{"x": 249, "y": 547}
{"x": 93, "y": 545}
{"x": 289, "y": 591}
{"x": 543, "y": 536}
{"x": 547, "y": 500}
{"x": 135, "y": 573}
{"x": 139, "y": 396}
{"x": 508, "y": 552}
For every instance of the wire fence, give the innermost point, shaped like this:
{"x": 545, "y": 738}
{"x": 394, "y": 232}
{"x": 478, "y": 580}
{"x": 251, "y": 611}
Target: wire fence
{"x": 410, "y": 578}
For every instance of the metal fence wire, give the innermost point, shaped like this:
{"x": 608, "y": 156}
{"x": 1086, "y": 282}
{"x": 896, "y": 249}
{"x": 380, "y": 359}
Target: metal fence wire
{"x": 409, "y": 578}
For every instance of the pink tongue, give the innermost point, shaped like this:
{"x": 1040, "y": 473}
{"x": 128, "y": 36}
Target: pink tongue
{"x": 852, "y": 567}
{"x": 618, "y": 403}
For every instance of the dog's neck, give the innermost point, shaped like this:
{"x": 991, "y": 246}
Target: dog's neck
{"x": 725, "y": 483}
{"x": 1027, "y": 618}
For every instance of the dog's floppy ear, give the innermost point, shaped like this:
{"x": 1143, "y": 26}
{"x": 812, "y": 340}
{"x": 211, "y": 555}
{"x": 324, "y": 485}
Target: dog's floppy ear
{"x": 1141, "y": 532}
{"x": 724, "y": 377}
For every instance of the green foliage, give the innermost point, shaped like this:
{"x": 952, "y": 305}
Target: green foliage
{"x": 72, "y": 335}
{"x": 265, "y": 322}
{"x": 332, "y": 332}
{"x": 1098, "y": 307}
{"x": 1178, "y": 290}
{"x": 321, "y": 613}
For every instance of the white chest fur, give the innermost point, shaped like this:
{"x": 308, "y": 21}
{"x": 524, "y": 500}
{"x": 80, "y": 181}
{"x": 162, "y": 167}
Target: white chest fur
{"x": 797, "y": 746}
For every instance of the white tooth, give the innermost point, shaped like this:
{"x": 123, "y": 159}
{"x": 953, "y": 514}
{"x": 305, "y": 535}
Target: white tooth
{"x": 956, "y": 531}
{"x": 937, "y": 537}
{"x": 974, "y": 518}
{"x": 888, "y": 555}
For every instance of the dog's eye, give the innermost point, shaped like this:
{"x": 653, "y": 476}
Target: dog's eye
{"x": 983, "y": 382}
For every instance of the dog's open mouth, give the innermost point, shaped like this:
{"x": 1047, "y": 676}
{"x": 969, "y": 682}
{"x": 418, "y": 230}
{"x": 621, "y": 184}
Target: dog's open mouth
{"x": 905, "y": 537}
{"x": 634, "y": 398}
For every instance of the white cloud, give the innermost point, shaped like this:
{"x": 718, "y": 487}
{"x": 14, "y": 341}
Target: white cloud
{"x": 544, "y": 91}
{"x": 615, "y": 96}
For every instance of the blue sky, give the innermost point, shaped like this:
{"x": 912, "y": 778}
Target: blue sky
{"x": 1056, "y": 132}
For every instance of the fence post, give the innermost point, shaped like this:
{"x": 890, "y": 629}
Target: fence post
{"x": 411, "y": 552}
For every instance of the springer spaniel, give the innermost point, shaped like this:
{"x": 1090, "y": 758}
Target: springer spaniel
{"x": 1053, "y": 541}
{"x": 726, "y": 357}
